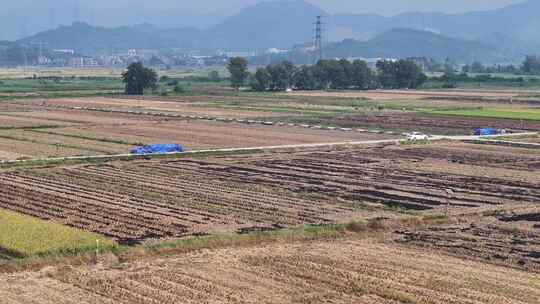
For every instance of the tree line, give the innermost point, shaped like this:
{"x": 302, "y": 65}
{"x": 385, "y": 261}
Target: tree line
{"x": 530, "y": 66}
{"x": 328, "y": 74}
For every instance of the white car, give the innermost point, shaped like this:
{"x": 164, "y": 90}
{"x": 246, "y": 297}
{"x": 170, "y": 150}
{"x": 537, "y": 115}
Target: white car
{"x": 414, "y": 136}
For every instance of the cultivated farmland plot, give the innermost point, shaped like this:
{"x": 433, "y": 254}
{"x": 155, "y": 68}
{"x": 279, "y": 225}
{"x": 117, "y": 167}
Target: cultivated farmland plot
{"x": 149, "y": 200}
{"x": 37, "y": 129}
{"x": 41, "y": 128}
{"x": 343, "y": 271}
{"x": 440, "y": 222}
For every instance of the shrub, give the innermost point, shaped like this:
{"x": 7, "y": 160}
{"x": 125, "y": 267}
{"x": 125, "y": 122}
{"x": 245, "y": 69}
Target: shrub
{"x": 179, "y": 89}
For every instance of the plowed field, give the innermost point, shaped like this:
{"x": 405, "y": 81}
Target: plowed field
{"x": 434, "y": 124}
{"x": 401, "y": 94}
{"x": 76, "y": 127}
{"x": 173, "y": 198}
{"x": 344, "y": 271}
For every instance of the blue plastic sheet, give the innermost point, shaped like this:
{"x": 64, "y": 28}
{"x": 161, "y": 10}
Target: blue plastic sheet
{"x": 158, "y": 149}
{"x": 486, "y": 131}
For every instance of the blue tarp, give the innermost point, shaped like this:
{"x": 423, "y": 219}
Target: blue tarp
{"x": 486, "y": 131}
{"x": 158, "y": 149}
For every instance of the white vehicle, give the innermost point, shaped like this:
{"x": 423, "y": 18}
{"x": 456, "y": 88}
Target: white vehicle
{"x": 414, "y": 136}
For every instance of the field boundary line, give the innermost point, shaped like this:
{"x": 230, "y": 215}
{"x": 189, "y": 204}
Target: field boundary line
{"x": 507, "y": 143}
{"x": 225, "y": 119}
{"x": 128, "y": 156}
{"x": 206, "y": 151}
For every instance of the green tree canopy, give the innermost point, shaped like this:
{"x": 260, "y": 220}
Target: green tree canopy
{"x": 339, "y": 74}
{"x": 305, "y": 79}
{"x": 362, "y": 76}
{"x": 138, "y": 78}
{"x": 281, "y": 75}
{"x": 261, "y": 80}
{"x": 401, "y": 74}
{"x": 238, "y": 68}
{"x": 214, "y": 76}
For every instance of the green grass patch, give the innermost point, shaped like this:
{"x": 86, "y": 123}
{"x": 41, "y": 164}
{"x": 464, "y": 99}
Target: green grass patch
{"x": 523, "y": 114}
{"x": 22, "y": 236}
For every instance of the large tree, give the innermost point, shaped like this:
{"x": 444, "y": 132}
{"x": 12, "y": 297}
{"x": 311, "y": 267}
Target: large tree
{"x": 305, "y": 79}
{"x": 261, "y": 80}
{"x": 410, "y": 75}
{"x": 138, "y": 78}
{"x": 362, "y": 76}
{"x": 238, "y": 68}
{"x": 281, "y": 75}
{"x": 401, "y": 74}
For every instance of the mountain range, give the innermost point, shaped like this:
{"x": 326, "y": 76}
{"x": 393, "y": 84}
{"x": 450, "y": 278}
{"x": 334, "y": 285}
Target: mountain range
{"x": 500, "y": 35}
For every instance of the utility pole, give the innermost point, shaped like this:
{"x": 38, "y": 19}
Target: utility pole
{"x": 318, "y": 47}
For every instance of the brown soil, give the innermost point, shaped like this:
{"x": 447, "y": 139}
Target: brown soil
{"x": 401, "y": 94}
{"x": 436, "y": 124}
{"x": 200, "y": 134}
{"x": 89, "y": 132}
{"x": 21, "y": 119}
{"x": 187, "y": 106}
{"x": 499, "y": 237}
{"x": 175, "y": 198}
{"x": 341, "y": 271}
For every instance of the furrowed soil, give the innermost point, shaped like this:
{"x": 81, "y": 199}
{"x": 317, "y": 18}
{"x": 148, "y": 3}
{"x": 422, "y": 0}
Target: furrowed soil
{"x": 211, "y": 134}
{"x": 95, "y": 126}
{"x": 41, "y": 129}
{"x": 413, "y": 94}
{"x": 187, "y": 105}
{"x": 339, "y": 271}
{"x": 161, "y": 199}
{"x": 430, "y": 123}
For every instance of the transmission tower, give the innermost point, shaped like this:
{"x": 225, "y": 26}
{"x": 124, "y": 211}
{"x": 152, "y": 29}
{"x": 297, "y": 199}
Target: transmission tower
{"x": 318, "y": 47}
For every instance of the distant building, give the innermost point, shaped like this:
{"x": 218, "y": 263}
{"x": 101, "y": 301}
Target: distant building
{"x": 43, "y": 60}
{"x": 239, "y": 54}
{"x": 65, "y": 51}
{"x": 90, "y": 62}
{"x": 76, "y": 62}
{"x": 276, "y": 51}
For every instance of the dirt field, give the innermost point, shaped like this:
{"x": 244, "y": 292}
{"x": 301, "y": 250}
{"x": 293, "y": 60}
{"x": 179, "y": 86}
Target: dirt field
{"x": 484, "y": 249}
{"x": 175, "y": 198}
{"x": 413, "y": 94}
{"x": 534, "y": 139}
{"x": 91, "y": 126}
{"x": 110, "y": 137}
{"x": 185, "y": 105}
{"x": 343, "y": 271}
{"x": 38, "y": 129}
{"x": 435, "y": 124}
{"x": 204, "y": 134}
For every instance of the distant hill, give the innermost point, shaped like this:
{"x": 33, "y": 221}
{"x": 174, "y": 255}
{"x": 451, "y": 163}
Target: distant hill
{"x": 504, "y": 34}
{"x": 259, "y": 27}
{"x": 279, "y": 24}
{"x": 519, "y": 20}
{"x": 403, "y": 43}
{"x": 91, "y": 39}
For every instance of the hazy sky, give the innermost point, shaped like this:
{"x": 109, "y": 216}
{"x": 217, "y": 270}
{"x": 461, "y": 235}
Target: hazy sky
{"x": 226, "y": 7}
{"x": 391, "y": 7}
